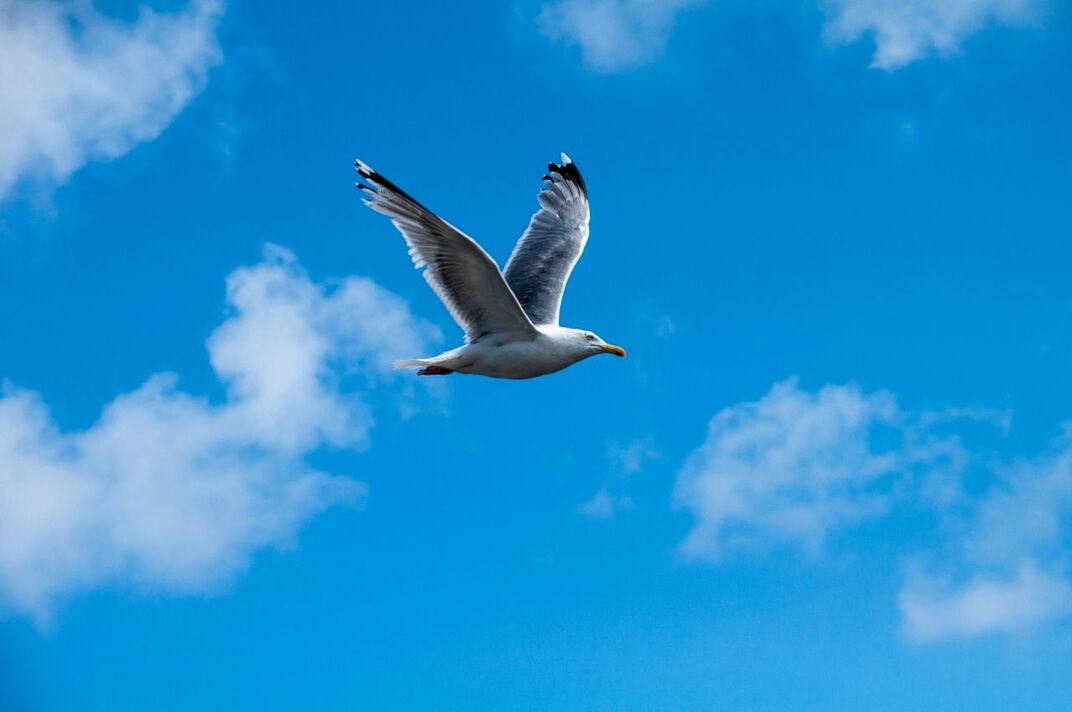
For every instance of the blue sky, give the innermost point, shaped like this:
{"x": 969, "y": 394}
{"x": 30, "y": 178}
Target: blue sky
{"x": 835, "y": 471}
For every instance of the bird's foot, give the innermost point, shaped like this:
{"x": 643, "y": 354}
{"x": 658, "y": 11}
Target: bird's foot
{"x": 434, "y": 371}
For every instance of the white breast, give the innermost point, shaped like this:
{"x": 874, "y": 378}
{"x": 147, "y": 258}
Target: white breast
{"x": 500, "y": 357}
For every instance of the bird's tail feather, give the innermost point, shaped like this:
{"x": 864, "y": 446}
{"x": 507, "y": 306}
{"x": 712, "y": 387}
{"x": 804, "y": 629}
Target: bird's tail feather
{"x": 411, "y": 363}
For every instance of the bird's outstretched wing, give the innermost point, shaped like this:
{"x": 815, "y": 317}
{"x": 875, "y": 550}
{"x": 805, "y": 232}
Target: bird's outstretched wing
{"x": 466, "y": 279}
{"x": 551, "y": 245}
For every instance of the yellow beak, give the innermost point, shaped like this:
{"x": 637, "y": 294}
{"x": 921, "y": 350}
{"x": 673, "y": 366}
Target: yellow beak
{"x": 612, "y": 349}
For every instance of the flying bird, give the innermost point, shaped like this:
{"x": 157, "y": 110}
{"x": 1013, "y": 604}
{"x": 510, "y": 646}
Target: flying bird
{"x": 510, "y": 318}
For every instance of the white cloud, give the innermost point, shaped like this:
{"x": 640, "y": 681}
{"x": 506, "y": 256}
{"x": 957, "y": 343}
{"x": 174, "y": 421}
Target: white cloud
{"x": 624, "y": 35}
{"x": 632, "y": 458}
{"x": 795, "y": 466}
{"x": 614, "y": 35}
{"x": 77, "y": 86}
{"x": 1027, "y": 512}
{"x": 908, "y": 30}
{"x": 628, "y": 459}
{"x": 1012, "y": 542}
{"x": 933, "y": 610}
{"x": 601, "y": 506}
{"x": 1000, "y": 419}
{"x": 171, "y": 491}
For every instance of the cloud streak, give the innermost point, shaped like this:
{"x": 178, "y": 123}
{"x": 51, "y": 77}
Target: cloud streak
{"x": 77, "y": 86}
{"x": 171, "y": 491}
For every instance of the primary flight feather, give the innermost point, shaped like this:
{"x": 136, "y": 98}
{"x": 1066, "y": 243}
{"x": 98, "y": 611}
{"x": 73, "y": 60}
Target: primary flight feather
{"x": 510, "y": 318}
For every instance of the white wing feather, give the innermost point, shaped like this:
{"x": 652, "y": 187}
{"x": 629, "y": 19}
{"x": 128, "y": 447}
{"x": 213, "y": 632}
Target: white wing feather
{"x": 464, "y": 276}
{"x": 549, "y": 248}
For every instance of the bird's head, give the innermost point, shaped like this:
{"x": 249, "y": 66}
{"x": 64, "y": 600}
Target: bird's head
{"x": 588, "y": 344}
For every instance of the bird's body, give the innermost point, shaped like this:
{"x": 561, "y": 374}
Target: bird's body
{"x": 510, "y": 318}
{"x": 511, "y": 355}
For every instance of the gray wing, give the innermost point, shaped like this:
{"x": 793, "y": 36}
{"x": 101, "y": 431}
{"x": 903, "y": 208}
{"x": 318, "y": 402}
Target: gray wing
{"x": 466, "y": 279}
{"x": 551, "y": 245}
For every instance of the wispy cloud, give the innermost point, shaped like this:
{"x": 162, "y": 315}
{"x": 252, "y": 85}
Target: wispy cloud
{"x": 794, "y": 467}
{"x": 78, "y": 86}
{"x": 661, "y": 324}
{"x": 603, "y": 505}
{"x": 935, "y": 609}
{"x": 625, "y": 35}
{"x": 906, "y": 31}
{"x": 1006, "y": 570}
{"x": 171, "y": 491}
{"x": 613, "y": 35}
{"x": 633, "y": 456}
{"x": 628, "y": 460}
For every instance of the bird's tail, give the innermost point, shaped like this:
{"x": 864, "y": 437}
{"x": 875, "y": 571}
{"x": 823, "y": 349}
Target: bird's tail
{"x": 411, "y": 363}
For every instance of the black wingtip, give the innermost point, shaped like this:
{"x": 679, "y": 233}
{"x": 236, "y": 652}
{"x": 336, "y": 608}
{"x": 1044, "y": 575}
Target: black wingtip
{"x": 568, "y": 170}
{"x": 380, "y": 183}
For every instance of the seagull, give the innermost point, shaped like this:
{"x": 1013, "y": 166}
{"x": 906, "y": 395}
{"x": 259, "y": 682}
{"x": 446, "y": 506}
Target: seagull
{"x": 510, "y": 318}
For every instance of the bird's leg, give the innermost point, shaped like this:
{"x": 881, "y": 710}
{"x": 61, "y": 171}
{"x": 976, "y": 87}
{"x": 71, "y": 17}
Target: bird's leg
{"x": 434, "y": 371}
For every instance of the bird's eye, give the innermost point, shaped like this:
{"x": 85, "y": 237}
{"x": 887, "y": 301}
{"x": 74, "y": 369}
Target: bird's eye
{"x": 590, "y": 337}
